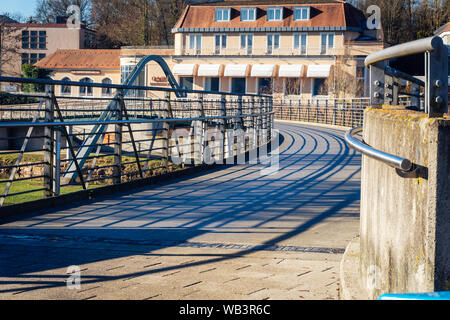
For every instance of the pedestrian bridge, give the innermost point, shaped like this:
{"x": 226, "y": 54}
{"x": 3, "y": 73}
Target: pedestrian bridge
{"x": 207, "y": 196}
{"x": 226, "y": 233}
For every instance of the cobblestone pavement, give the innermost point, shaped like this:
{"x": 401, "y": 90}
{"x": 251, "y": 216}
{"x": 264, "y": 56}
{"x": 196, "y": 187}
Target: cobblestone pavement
{"x": 222, "y": 234}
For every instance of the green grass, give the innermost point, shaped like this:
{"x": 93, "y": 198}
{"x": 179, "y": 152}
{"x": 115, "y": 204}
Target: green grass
{"x": 10, "y": 159}
{"x": 35, "y": 184}
{"x": 28, "y": 185}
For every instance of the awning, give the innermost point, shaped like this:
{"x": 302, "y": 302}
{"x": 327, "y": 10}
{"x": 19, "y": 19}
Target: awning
{"x": 184, "y": 69}
{"x": 319, "y": 71}
{"x": 236, "y": 70}
{"x": 263, "y": 70}
{"x": 209, "y": 70}
{"x": 291, "y": 70}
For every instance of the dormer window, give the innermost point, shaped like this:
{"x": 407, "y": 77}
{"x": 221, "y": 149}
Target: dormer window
{"x": 275, "y": 14}
{"x": 301, "y": 13}
{"x": 248, "y": 14}
{"x": 222, "y": 14}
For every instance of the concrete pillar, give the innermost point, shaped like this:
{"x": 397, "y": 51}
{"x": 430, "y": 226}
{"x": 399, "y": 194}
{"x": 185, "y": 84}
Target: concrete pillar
{"x": 405, "y": 221}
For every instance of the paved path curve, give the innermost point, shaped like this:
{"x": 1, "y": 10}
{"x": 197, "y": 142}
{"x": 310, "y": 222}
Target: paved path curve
{"x": 223, "y": 234}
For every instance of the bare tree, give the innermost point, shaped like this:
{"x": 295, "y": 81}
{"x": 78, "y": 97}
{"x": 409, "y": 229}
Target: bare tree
{"x": 292, "y": 86}
{"x": 135, "y": 22}
{"x": 341, "y": 82}
{"x": 407, "y": 20}
{"x": 9, "y": 43}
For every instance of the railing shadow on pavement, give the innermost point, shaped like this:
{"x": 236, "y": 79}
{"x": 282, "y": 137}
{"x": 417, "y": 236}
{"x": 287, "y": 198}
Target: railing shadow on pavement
{"x": 302, "y": 157}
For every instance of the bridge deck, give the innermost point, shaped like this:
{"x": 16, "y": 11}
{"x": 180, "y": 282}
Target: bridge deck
{"x": 222, "y": 234}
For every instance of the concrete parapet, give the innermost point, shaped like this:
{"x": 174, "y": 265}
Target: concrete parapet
{"x": 405, "y": 221}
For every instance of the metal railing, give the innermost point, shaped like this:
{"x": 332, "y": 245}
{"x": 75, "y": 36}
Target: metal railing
{"x": 393, "y": 161}
{"x": 346, "y": 112}
{"x": 385, "y": 89}
{"x": 142, "y": 137}
{"x": 430, "y": 96}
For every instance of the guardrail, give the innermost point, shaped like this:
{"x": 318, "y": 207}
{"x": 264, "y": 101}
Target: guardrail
{"x": 431, "y": 95}
{"x": 346, "y": 112}
{"x": 393, "y": 161}
{"x": 384, "y": 89}
{"x": 142, "y": 137}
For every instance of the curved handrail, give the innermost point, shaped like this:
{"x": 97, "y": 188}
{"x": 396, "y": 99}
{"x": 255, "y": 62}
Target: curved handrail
{"x": 404, "y": 49}
{"x": 162, "y": 63}
{"x": 391, "y": 160}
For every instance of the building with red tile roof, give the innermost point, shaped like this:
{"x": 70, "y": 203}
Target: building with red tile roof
{"x": 289, "y": 48}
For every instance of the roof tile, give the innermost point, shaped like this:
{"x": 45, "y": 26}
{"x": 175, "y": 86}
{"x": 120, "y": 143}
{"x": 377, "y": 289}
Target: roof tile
{"x": 81, "y": 59}
{"x": 323, "y": 14}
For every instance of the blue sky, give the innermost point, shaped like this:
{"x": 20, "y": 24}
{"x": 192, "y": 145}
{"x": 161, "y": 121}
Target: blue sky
{"x": 23, "y": 7}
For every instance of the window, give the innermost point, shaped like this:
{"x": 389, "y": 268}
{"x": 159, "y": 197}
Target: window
{"x": 25, "y": 58}
{"x": 300, "y": 42}
{"x": 265, "y": 86}
{"x": 195, "y": 43}
{"x": 301, "y": 13}
{"x": 221, "y": 43}
{"x": 273, "y": 42}
{"x": 25, "y": 40}
{"x": 125, "y": 72}
{"x": 248, "y": 14}
{"x": 247, "y": 42}
{"x": 42, "y": 39}
{"x": 86, "y": 91}
{"x": 212, "y": 84}
{"x": 360, "y": 81}
{"x": 107, "y": 91}
{"x": 32, "y": 58}
{"x": 222, "y": 14}
{"x": 320, "y": 87}
{"x": 34, "y": 39}
{"x": 66, "y": 90}
{"x": 238, "y": 85}
{"x": 275, "y": 14}
{"x": 293, "y": 87}
{"x": 187, "y": 83}
{"x": 327, "y": 42}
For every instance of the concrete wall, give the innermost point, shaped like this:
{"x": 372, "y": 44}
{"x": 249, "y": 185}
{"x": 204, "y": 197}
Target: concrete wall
{"x": 58, "y": 37}
{"x": 405, "y": 222}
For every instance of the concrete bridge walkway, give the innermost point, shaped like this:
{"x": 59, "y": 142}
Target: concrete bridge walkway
{"x": 221, "y": 234}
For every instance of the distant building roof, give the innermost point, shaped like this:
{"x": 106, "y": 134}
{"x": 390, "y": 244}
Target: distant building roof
{"x": 84, "y": 59}
{"x": 16, "y": 24}
{"x": 128, "y": 51}
{"x": 6, "y": 19}
{"x": 324, "y": 14}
